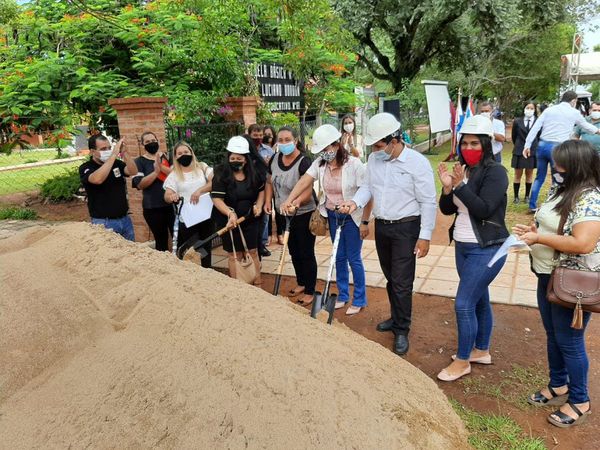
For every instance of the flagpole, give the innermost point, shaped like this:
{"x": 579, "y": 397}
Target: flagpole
{"x": 452, "y": 154}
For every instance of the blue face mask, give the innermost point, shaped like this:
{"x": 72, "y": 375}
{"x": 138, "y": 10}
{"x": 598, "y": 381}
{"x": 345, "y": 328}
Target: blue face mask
{"x": 287, "y": 149}
{"x": 382, "y": 155}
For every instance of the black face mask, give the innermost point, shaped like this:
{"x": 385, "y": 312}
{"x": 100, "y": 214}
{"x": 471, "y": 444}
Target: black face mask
{"x": 559, "y": 178}
{"x": 266, "y": 140}
{"x": 185, "y": 160}
{"x": 151, "y": 147}
{"x": 236, "y": 166}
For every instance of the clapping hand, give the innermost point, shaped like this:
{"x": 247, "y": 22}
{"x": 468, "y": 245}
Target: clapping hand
{"x": 445, "y": 177}
{"x": 458, "y": 174}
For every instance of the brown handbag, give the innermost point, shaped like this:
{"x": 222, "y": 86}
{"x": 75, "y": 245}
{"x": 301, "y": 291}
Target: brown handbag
{"x": 318, "y": 224}
{"x": 575, "y": 289}
{"x": 245, "y": 270}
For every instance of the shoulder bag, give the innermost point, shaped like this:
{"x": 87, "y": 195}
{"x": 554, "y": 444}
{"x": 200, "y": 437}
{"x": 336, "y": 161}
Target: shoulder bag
{"x": 318, "y": 224}
{"x": 245, "y": 270}
{"x": 575, "y": 289}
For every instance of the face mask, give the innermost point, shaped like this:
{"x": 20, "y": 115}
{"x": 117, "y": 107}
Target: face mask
{"x": 349, "y": 127}
{"x": 382, "y": 155}
{"x": 595, "y": 115}
{"x": 328, "y": 155}
{"x": 487, "y": 114}
{"x": 185, "y": 160}
{"x": 287, "y": 149}
{"x": 151, "y": 147}
{"x": 560, "y": 178}
{"x": 257, "y": 142}
{"x": 266, "y": 139}
{"x": 528, "y": 113}
{"x": 471, "y": 157}
{"x": 105, "y": 155}
{"x": 236, "y": 166}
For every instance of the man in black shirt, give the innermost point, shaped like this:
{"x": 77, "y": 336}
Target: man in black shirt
{"x": 103, "y": 177}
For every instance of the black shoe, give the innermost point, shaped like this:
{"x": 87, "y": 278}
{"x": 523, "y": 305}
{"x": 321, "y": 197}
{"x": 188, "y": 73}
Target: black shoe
{"x": 526, "y": 200}
{"x": 264, "y": 252}
{"x": 400, "y": 344}
{"x": 516, "y": 201}
{"x": 532, "y": 210}
{"x": 384, "y": 326}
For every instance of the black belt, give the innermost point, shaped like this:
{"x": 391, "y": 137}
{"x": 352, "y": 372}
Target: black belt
{"x": 403, "y": 220}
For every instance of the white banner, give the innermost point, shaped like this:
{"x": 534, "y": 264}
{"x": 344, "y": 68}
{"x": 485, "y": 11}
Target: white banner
{"x": 438, "y": 105}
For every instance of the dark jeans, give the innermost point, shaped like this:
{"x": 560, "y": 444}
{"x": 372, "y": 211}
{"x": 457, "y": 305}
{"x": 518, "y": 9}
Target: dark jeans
{"x": 474, "y": 317}
{"x": 301, "y": 245}
{"x": 160, "y": 221}
{"x": 543, "y": 157}
{"x": 395, "y": 244}
{"x": 567, "y": 357}
{"x": 198, "y": 232}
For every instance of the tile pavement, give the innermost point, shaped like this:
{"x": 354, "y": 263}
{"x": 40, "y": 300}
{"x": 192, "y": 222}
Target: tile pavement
{"x": 435, "y": 274}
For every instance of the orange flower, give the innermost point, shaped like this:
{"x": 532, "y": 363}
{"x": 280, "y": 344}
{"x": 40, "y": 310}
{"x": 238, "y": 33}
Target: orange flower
{"x": 141, "y": 44}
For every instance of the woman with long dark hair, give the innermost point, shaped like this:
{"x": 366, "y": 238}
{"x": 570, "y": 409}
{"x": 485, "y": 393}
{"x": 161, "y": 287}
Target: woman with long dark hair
{"x": 475, "y": 193}
{"x": 574, "y": 202}
{"x": 286, "y": 168}
{"x": 350, "y": 139}
{"x": 238, "y": 190}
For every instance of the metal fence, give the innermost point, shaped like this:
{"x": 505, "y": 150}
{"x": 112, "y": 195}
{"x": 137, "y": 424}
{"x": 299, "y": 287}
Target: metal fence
{"x": 208, "y": 140}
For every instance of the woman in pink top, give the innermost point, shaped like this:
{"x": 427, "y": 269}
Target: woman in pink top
{"x": 340, "y": 175}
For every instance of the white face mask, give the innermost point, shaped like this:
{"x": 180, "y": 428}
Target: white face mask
{"x": 105, "y": 155}
{"x": 528, "y": 112}
{"x": 595, "y": 115}
{"x": 487, "y": 114}
{"x": 349, "y": 127}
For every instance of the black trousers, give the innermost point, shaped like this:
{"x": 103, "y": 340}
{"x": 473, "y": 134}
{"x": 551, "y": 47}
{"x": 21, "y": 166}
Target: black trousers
{"x": 301, "y": 245}
{"x": 198, "y": 232}
{"x": 160, "y": 221}
{"x": 280, "y": 223}
{"x": 395, "y": 244}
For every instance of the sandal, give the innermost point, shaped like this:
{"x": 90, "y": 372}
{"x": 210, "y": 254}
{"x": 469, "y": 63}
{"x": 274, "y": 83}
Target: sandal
{"x": 539, "y": 399}
{"x": 280, "y": 239}
{"x": 306, "y": 300}
{"x": 296, "y": 291}
{"x": 566, "y": 421}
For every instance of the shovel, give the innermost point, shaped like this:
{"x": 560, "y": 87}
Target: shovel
{"x": 177, "y": 206}
{"x": 198, "y": 246}
{"x": 286, "y": 236}
{"x": 325, "y": 300}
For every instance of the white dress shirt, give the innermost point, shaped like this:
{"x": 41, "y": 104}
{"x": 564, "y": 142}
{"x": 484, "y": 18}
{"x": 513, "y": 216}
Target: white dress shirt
{"x": 401, "y": 187}
{"x": 499, "y": 128}
{"x": 557, "y": 123}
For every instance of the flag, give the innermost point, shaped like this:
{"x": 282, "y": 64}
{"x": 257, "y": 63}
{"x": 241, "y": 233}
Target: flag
{"x": 457, "y": 123}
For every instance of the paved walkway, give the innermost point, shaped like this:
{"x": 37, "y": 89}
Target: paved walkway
{"x": 436, "y": 273}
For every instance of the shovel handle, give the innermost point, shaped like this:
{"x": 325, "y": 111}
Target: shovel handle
{"x": 225, "y": 229}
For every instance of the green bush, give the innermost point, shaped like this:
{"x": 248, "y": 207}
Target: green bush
{"x": 61, "y": 187}
{"x": 15, "y": 213}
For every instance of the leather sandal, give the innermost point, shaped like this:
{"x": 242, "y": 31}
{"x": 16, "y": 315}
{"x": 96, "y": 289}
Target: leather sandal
{"x": 539, "y": 399}
{"x": 566, "y": 421}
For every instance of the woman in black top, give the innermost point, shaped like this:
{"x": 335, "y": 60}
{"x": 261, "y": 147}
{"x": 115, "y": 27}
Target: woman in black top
{"x": 153, "y": 168}
{"x": 520, "y": 129}
{"x": 238, "y": 190}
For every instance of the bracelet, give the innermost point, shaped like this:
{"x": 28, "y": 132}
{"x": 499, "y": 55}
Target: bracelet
{"x": 364, "y": 222}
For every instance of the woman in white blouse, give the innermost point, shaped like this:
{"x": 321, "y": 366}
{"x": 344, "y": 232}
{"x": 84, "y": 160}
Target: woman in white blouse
{"x": 189, "y": 180}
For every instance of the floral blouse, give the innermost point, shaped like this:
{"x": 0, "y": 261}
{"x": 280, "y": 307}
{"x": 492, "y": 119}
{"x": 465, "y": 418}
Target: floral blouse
{"x": 587, "y": 208}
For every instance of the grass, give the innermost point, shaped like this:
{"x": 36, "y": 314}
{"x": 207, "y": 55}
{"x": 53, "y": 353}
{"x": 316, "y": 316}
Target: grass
{"x": 31, "y": 179}
{"x": 493, "y": 432}
{"x": 14, "y": 213}
{"x": 515, "y": 213}
{"x": 514, "y": 387}
{"x": 28, "y": 156}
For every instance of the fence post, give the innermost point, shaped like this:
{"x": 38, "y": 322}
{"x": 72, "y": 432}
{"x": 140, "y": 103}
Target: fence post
{"x": 136, "y": 115}
{"x": 244, "y": 109}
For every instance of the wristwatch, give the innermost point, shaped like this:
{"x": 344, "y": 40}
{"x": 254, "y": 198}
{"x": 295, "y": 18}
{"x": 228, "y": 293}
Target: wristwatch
{"x": 364, "y": 222}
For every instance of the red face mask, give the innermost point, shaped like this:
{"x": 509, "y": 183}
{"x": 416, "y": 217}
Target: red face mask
{"x": 472, "y": 157}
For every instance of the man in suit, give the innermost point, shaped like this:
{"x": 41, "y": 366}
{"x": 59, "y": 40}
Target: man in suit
{"x": 520, "y": 129}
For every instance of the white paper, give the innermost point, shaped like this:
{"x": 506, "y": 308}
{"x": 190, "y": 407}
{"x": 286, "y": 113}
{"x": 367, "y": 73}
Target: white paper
{"x": 201, "y": 211}
{"x": 511, "y": 245}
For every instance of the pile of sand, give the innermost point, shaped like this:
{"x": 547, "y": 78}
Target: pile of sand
{"x": 108, "y": 344}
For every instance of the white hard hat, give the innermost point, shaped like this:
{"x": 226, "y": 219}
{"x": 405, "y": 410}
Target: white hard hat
{"x": 477, "y": 125}
{"x": 380, "y": 126}
{"x": 239, "y": 145}
{"x": 324, "y": 136}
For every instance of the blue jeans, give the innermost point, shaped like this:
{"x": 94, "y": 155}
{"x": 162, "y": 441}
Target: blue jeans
{"x": 543, "y": 156}
{"x": 474, "y": 317}
{"x": 349, "y": 252}
{"x": 122, "y": 226}
{"x": 264, "y": 232}
{"x": 567, "y": 357}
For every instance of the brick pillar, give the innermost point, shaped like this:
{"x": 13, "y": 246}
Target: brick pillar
{"x": 244, "y": 109}
{"x": 136, "y": 115}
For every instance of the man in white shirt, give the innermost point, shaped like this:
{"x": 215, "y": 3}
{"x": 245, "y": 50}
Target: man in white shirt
{"x": 556, "y": 123}
{"x": 400, "y": 181}
{"x": 485, "y": 109}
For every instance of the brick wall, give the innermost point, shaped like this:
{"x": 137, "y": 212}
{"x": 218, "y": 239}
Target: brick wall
{"x": 136, "y": 115}
{"x": 244, "y": 109}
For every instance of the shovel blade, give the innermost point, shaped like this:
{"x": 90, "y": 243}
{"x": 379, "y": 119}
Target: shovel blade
{"x": 317, "y": 304}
